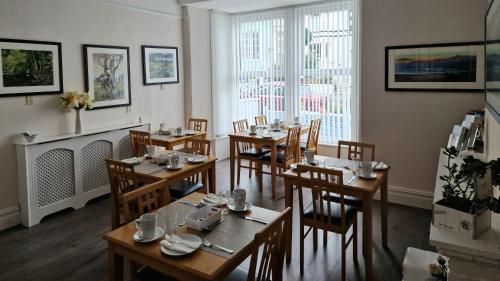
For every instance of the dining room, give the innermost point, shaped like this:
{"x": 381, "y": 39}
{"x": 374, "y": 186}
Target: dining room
{"x": 250, "y": 140}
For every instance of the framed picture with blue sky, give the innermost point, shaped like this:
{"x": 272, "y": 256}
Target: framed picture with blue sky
{"x": 451, "y": 67}
{"x": 160, "y": 65}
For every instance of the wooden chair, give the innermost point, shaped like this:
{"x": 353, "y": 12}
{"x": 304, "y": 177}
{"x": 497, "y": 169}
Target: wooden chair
{"x": 261, "y": 120}
{"x": 139, "y": 141}
{"x": 195, "y": 182}
{"x": 283, "y": 158}
{"x": 312, "y": 137}
{"x": 122, "y": 179}
{"x": 322, "y": 213}
{"x": 198, "y": 124}
{"x": 246, "y": 151}
{"x": 272, "y": 242}
{"x": 143, "y": 200}
{"x": 355, "y": 150}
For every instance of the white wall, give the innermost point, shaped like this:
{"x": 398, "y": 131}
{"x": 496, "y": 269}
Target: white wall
{"x": 75, "y": 22}
{"x": 409, "y": 128}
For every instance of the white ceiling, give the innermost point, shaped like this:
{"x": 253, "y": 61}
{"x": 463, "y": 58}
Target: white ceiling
{"x": 239, "y": 6}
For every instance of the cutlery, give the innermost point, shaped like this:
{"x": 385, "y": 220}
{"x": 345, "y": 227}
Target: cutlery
{"x": 353, "y": 179}
{"x": 210, "y": 245}
{"x": 254, "y": 219}
{"x": 197, "y": 205}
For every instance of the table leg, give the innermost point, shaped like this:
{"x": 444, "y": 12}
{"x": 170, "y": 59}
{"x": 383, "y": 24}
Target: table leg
{"x": 289, "y": 203}
{"x": 211, "y": 179}
{"x": 367, "y": 236}
{"x": 231, "y": 160}
{"x": 273, "y": 170}
{"x": 383, "y": 208}
{"x": 115, "y": 264}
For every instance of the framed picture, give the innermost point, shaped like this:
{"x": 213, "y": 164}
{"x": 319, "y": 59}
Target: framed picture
{"x": 30, "y": 68}
{"x": 453, "y": 67}
{"x": 160, "y": 65}
{"x": 492, "y": 36}
{"x": 107, "y": 75}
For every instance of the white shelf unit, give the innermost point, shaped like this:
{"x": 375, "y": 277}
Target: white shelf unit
{"x": 55, "y": 173}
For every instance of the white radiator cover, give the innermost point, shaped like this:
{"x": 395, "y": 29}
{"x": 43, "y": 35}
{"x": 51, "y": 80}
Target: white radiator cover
{"x": 67, "y": 171}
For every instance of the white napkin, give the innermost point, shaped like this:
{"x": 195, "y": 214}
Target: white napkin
{"x": 213, "y": 198}
{"x": 172, "y": 238}
{"x": 175, "y": 247}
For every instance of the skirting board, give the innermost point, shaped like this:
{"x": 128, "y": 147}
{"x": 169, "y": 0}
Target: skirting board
{"x": 409, "y": 197}
{"x": 10, "y": 217}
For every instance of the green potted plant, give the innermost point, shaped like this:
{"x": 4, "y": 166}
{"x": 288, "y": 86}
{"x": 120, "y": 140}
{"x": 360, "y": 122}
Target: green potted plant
{"x": 467, "y": 195}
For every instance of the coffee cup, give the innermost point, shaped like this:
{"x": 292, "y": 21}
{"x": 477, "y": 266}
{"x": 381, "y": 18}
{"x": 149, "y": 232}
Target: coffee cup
{"x": 309, "y": 155}
{"x": 163, "y": 127}
{"x": 174, "y": 161}
{"x": 366, "y": 168}
{"x": 151, "y": 150}
{"x": 296, "y": 120}
{"x": 253, "y": 129}
{"x": 147, "y": 225}
{"x": 178, "y": 131}
{"x": 239, "y": 198}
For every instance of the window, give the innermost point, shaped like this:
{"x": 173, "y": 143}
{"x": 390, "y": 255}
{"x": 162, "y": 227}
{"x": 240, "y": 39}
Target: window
{"x": 297, "y": 62}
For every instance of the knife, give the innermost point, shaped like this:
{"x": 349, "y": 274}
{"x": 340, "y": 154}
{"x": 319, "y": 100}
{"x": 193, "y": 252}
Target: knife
{"x": 254, "y": 219}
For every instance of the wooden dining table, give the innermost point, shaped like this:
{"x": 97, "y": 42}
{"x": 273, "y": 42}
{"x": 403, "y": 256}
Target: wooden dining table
{"x": 169, "y": 141}
{"x": 259, "y": 141}
{"x": 203, "y": 264}
{"x": 364, "y": 189}
{"x": 208, "y": 167}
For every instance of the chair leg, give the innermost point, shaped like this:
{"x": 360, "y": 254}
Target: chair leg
{"x": 259, "y": 175}
{"x": 325, "y": 237}
{"x": 343, "y": 256}
{"x": 315, "y": 239}
{"x": 250, "y": 165}
{"x": 302, "y": 249}
{"x": 133, "y": 270}
{"x": 239, "y": 172}
{"x": 355, "y": 240}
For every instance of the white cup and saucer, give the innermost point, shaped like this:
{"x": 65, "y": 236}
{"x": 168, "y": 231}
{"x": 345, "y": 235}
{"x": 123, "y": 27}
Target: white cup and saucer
{"x": 366, "y": 170}
{"x": 238, "y": 201}
{"x": 296, "y": 120}
{"x": 174, "y": 162}
{"x": 147, "y": 229}
{"x": 309, "y": 156}
{"x": 253, "y": 130}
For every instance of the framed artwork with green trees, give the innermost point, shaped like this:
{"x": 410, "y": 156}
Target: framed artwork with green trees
{"x": 30, "y": 68}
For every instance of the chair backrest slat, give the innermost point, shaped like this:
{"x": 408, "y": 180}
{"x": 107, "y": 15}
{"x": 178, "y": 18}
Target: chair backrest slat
{"x": 272, "y": 241}
{"x": 356, "y": 150}
{"x": 292, "y": 145}
{"x": 139, "y": 140}
{"x": 145, "y": 199}
{"x": 198, "y": 124}
{"x": 313, "y": 136}
{"x": 260, "y": 120}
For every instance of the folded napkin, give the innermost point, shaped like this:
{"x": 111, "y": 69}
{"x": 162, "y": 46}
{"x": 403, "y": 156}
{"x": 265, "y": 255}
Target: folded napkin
{"x": 213, "y": 198}
{"x": 133, "y": 160}
{"x": 175, "y": 247}
{"x": 174, "y": 239}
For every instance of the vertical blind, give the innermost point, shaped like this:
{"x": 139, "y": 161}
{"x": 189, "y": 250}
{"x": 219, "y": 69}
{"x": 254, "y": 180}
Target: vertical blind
{"x": 296, "y": 62}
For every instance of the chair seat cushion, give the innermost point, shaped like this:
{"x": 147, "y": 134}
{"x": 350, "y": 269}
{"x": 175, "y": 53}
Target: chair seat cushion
{"x": 350, "y": 212}
{"x": 183, "y": 188}
{"x": 348, "y": 200}
{"x": 281, "y": 146}
{"x": 280, "y": 157}
{"x": 255, "y": 152}
{"x": 238, "y": 274}
{"x": 149, "y": 274}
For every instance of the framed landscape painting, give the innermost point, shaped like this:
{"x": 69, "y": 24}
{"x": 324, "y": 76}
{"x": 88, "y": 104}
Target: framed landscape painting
{"x": 107, "y": 75}
{"x": 453, "y": 67}
{"x": 160, "y": 65}
{"x": 30, "y": 68}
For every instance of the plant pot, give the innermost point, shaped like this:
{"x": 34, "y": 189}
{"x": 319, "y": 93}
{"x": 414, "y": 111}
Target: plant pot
{"x": 460, "y": 222}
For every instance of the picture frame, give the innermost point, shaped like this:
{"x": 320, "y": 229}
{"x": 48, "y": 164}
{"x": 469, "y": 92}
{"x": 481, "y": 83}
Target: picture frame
{"x": 160, "y": 65}
{"x": 107, "y": 75}
{"x": 492, "y": 57}
{"x": 29, "y": 67}
{"x": 449, "y": 67}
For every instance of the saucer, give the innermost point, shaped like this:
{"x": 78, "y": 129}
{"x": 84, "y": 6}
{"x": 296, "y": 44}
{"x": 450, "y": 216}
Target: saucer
{"x": 169, "y": 167}
{"x": 231, "y": 207}
{"x": 371, "y": 176}
{"x": 380, "y": 166}
{"x": 159, "y": 232}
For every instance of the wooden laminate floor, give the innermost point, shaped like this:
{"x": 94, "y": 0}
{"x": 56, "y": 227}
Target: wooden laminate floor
{"x": 69, "y": 245}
